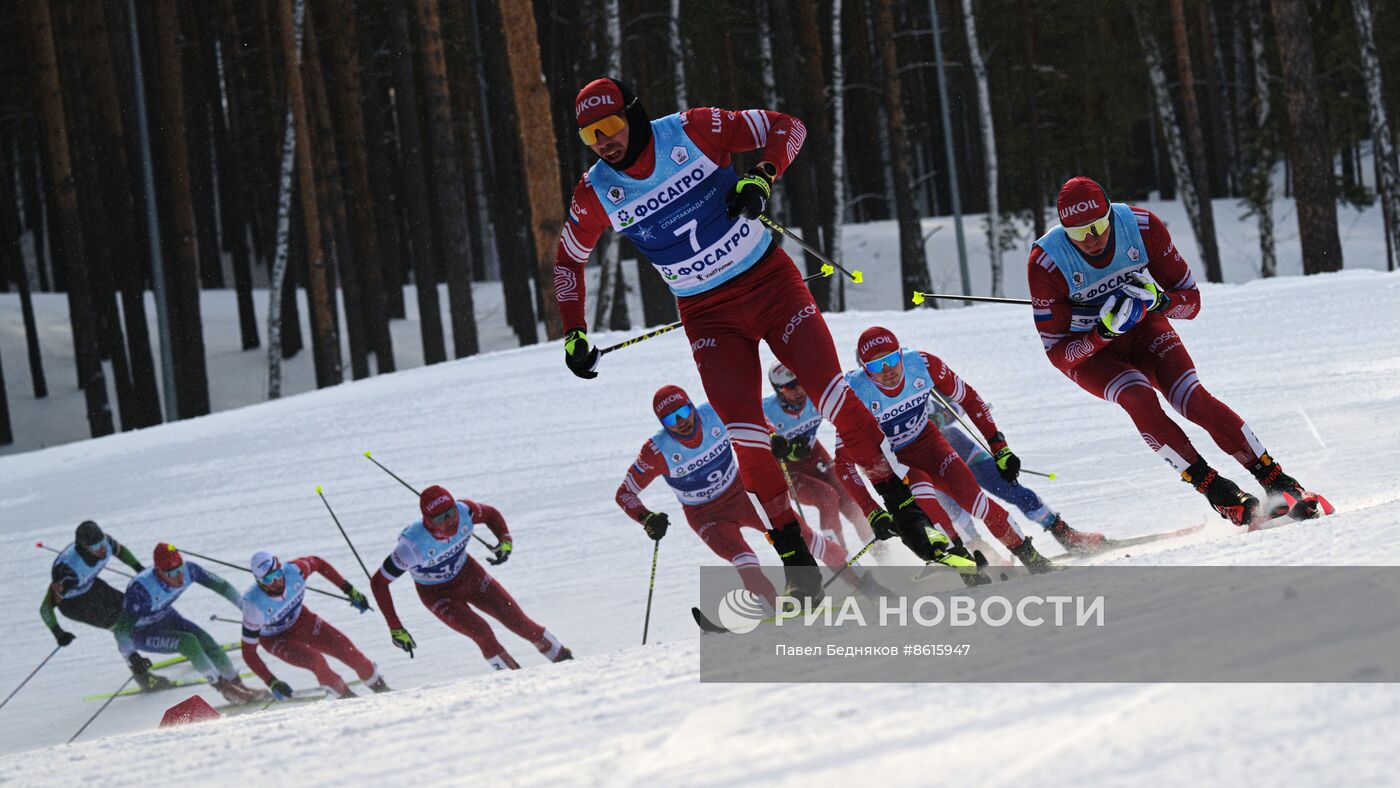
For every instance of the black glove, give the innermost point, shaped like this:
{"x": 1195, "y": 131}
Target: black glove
{"x": 794, "y": 450}
{"x": 751, "y": 193}
{"x": 63, "y": 636}
{"x": 655, "y": 524}
{"x": 139, "y": 665}
{"x": 882, "y": 523}
{"x": 580, "y": 355}
{"x": 281, "y": 690}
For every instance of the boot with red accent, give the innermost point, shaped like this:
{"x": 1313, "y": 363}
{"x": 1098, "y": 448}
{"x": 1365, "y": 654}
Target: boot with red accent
{"x": 1075, "y": 542}
{"x": 1285, "y": 494}
{"x": 1234, "y": 504}
{"x": 235, "y": 691}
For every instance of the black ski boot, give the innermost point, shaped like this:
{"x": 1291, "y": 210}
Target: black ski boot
{"x": 910, "y": 522}
{"x": 971, "y": 577}
{"x": 804, "y": 579}
{"x": 1277, "y": 483}
{"x": 378, "y": 686}
{"x": 1234, "y": 504}
{"x": 1034, "y": 561}
{"x": 1075, "y": 542}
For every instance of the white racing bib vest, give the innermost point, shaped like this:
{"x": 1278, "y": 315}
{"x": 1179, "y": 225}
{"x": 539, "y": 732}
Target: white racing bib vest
{"x": 677, "y": 217}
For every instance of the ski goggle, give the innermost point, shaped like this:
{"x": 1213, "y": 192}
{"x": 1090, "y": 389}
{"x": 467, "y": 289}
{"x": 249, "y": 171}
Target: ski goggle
{"x": 609, "y": 126}
{"x": 1084, "y": 231}
{"x": 877, "y": 365}
{"x": 273, "y": 576}
{"x": 443, "y": 518}
{"x": 173, "y": 577}
{"x": 791, "y": 384}
{"x": 677, "y": 416}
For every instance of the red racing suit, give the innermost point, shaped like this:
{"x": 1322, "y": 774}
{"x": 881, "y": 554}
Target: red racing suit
{"x": 769, "y": 302}
{"x": 1129, "y": 370}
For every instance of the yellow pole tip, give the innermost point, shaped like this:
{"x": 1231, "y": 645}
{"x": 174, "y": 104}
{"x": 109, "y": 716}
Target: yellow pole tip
{"x": 858, "y": 277}
{"x": 918, "y": 297}
{"x": 827, "y": 270}
{"x": 1052, "y": 477}
{"x": 366, "y": 454}
{"x": 318, "y": 489}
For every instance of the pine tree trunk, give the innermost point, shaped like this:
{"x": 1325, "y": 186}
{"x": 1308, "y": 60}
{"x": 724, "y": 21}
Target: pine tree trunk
{"x": 1259, "y": 189}
{"x": 609, "y": 249}
{"x": 69, "y": 242}
{"x": 447, "y": 170}
{"x": 1382, "y": 147}
{"x": 1195, "y": 144}
{"x": 913, "y": 266}
{"x": 989, "y": 145}
{"x": 382, "y": 156}
{"x": 238, "y": 202}
{"x": 815, "y": 161}
{"x": 24, "y": 278}
{"x": 1309, "y": 149}
{"x": 1226, "y": 160}
{"x": 324, "y": 336}
{"x": 541, "y": 160}
{"x": 414, "y": 188}
{"x": 1029, "y": 87}
{"x": 1171, "y": 132}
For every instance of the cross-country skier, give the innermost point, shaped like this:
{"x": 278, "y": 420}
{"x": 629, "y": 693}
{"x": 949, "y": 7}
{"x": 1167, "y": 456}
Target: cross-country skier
{"x": 694, "y": 453}
{"x": 450, "y": 583}
{"x": 1103, "y": 286}
{"x": 79, "y": 594}
{"x": 149, "y": 622}
{"x": 668, "y": 185}
{"x": 999, "y": 474}
{"x": 794, "y": 421}
{"x": 894, "y": 384}
{"x": 274, "y": 614}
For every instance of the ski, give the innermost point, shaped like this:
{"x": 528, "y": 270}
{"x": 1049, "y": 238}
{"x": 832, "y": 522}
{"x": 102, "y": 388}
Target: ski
{"x": 1133, "y": 541}
{"x": 706, "y": 625}
{"x": 174, "y": 684}
{"x": 1310, "y": 507}
{"x": 165, "y": 663}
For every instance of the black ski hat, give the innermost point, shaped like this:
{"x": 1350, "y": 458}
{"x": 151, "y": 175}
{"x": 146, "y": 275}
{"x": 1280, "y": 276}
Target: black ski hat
{"x": 88, "y": 534}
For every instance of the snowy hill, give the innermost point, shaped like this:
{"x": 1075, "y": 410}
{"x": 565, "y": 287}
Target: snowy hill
{"x": 1310, "y": 363}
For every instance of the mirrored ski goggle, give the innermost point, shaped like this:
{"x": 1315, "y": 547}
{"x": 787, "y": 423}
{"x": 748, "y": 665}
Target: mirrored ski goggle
{"x": 273, "y": 576}
{"x": 791, "y": 384}
{"x": 608, "y": 126}
{"x": 1084, "y": 231}
{"x": 174, "y": 577}
{"x": 877, "y": 365}
{"x": 444, "y": 517}
{"x": 677, "y": 416}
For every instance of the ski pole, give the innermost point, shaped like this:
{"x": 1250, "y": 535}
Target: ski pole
{"x": 651, "y": 588}
{"x": 342, "y": 532}
{"x": 109, "y": 568}
{"x": 919, "y": 298}
{"x": 977, "y": 436}
{"x": 104, "y": 706}
{"x": 828, "y": 265}
{"x": 370, "y": 457}
{"x": 852, "y": 560}
{"x": 212, "y": 560}
{"x": 656, "y": 332}
{"x": 217, "y": 617}
{"x": 55, "y": 651}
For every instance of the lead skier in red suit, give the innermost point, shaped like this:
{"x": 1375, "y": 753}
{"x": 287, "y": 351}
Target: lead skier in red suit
{"x": 668, "y": 185}
{"x": 1104, "y": 285}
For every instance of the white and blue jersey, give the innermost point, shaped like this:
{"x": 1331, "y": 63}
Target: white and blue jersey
{"x": 147, "y": 598}
{"x": 677, "y": 216}
{"x": 73, "y": 575}
{"x": 431, "y": 561}
{"x": 266, "y": 615}
{"x": 701, "y": 474}
{"x": 1089, "y": 286}
{"x": 802, "y": 424}
{"x": 903, "y": 417}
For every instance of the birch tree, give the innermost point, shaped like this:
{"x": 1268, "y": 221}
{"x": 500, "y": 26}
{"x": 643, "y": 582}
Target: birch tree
{"x": 1196, "y": 146}
{"x": 1382, "y": 148}
{"x": 677, "y": 48}
{"x": 838, "y": 150}
{"x": 610, "y": 245}
{"x": 1260, "y": 188}
{"x": 989, "y": 145}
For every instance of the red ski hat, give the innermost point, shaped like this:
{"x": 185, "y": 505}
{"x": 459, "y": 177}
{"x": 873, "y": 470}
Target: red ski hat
{"x": 434, "y": 501}
{"x": 668, "y": 398}
{"x": 1081, "y": 201}
{"x": 598, "y": 99}
{"x": 875, "y": 342}
{"x": 166, "y": 557}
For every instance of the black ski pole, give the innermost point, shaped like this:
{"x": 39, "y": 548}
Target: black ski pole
{"x": 827, "y": 263}
{"x": 109, "y": 567}
{"x": 56, "y": 648}
{"x": 370, "y": 457}
{"x": 852, "y": 560}
{"x": 977, "y": 436}
{"x": 651, "y": 588}
{"x": 217, "y": 617}
{"x": 213, "y": 560}
{"x": 656, "y": 332}
{"x": 111, "y": 698}
{"x": 342, "y": 530}
{"x": 919, "y": 298}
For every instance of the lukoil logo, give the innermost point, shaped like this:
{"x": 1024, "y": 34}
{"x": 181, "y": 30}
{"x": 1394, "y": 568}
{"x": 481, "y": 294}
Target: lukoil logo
{"x": 593, "y": 101}
{"x": 1079, "y": 207}
{"x": 741, "y": 611}
{"x": 875, "y": 342}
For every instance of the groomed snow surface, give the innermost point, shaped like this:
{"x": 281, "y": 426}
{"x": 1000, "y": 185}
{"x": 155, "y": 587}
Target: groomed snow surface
{"x": 1310, "y": 362}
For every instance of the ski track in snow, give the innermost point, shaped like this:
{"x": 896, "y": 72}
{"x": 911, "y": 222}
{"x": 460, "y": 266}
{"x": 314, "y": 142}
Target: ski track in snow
{"x": 515, "y": 430}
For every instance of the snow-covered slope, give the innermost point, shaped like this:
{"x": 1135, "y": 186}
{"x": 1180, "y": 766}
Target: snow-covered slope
{"x": 1311, "y": 363}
